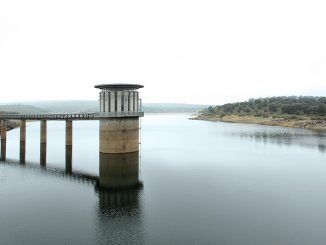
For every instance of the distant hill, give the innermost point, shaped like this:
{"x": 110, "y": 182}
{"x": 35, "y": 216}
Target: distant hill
{"x": 273, "y": 106}
{"x": 172, "y": 108}
{"x": 20, "y": 108}
{"x": 307, "y": 112}
{"x": 76, "y": 106}
{"x": 69, "y": 106}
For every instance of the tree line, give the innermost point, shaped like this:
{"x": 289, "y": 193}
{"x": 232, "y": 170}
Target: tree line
{"x": 277, "y": 106}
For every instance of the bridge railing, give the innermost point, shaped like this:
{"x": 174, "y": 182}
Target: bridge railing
{"x": 71, "y": 116}
{"x": 120, "y": 114}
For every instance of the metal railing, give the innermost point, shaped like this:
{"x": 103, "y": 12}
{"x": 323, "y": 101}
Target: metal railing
{"x": 71, "y": 116}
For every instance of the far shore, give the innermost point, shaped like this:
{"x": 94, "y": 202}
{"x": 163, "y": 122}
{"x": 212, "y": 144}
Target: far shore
{"x": 12, "y": 124}
{"x": 304, "y": 122}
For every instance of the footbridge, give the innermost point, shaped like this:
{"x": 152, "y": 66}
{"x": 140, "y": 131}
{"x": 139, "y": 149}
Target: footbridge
{"x": 119, "y": 112}
{"x": 70, "y": 116}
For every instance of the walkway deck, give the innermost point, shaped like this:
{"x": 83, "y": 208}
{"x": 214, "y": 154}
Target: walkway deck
{"x": 71, "y": 116}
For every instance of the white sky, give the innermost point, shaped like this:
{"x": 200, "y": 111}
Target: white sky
{"x": 207, "y": 52}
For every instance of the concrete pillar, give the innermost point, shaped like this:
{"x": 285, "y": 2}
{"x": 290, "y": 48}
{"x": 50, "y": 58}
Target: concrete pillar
{"x": 3, "y": 130}
{"x": 100, "y": 101}
{"x": 131, "y": 101}
{"x": 112, "y": 102}
{"x": 43, "y": 140}
{"x": 107, "y": 101}
{"x": 137, "y": 102}
{"x": 22, "y": 154}
{"x": 105, "y": 98}
{"x": 3, "y": 140}
{"x": 119, "y": 153}
{"x": 119, "y": 93}
{"x": 126, "y": 101}
{"x": 69, "y": 146}
{"x": 134, "y": 101}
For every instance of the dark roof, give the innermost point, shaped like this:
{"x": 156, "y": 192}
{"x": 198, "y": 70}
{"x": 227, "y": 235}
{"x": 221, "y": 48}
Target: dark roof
{"x": 119, "y": 86}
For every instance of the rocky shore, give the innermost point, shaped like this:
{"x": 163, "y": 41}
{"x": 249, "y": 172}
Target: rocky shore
{"x": 303, "y": 122}
{"x": 12, "y": 124}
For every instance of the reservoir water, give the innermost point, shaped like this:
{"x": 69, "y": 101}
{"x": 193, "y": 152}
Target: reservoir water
{"x": 204, "y": 183}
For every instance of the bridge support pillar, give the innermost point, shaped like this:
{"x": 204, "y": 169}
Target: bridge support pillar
{"x": 119, "y": 153}
{"x": 43, "y": 140}
{"x": 69, "y": 146}
{"x": 22, "y": 141}
{"x": 3, "y": 140}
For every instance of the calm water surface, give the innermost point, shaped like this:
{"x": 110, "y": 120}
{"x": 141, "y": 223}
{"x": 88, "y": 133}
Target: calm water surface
{"x": 204, "y": 183}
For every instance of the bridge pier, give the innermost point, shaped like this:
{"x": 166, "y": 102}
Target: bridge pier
{"x": 43, "y": 142}
{"x": 22, "y": 148}
{"x": 22, "y": 154}
{"x": 3, "y": 140}
{"x": 69, "y": 146}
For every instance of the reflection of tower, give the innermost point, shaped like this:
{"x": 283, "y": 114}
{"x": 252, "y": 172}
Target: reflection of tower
{"x": 119, "y": 217}
{"x": 120, "y": 109}
{"x": 119, "y": 169}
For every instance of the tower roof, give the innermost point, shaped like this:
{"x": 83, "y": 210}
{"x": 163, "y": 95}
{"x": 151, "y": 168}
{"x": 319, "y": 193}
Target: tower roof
{"x": 119, "y": 86}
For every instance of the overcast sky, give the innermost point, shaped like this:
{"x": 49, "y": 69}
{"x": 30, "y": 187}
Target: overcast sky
{"x": 208, "y": 52}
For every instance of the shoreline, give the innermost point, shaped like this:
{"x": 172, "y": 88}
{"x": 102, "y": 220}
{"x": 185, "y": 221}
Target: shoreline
{"x": 12, "y": 124}
{"x": 304, "y": 123}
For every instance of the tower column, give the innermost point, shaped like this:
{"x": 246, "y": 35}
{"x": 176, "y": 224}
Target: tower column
{"x": 43, "y": 142}
{"x": 112, "y": 101}
{"x": 101, "y": 101}
{"x": 137, "y": 102}
{"x": 22, "y": 154}
{"x": 131, "y": 101}
{"x": 125, "y": 101}
{"x": 119, "y": 100}
{"x": 107, "y": 101}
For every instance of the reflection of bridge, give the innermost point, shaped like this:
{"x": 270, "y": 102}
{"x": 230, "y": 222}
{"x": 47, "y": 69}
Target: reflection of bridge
{"x": 110, "y": 210}
{"x": 55, "y": 172}
{"x": 120, "y": 109}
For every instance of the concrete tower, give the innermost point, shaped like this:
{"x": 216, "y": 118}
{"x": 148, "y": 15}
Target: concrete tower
{"x": 120, "y": 109}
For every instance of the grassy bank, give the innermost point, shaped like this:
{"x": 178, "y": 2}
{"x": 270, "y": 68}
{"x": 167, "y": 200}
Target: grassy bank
{"x": 315, "y": 123}
{"x": 288, "y": 111}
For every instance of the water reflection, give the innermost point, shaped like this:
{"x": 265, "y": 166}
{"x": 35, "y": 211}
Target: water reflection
{"x": 119, "y": 170}
{"x": 283, "y": 136}
{"x": 119, "y": 217}
{"x": 3, "y": 149}
{"x": 43, "y": 154}
{"x": 118, "y": 213}
{"x": 68, "y": 158}
{"x": 202, "y": 187}
{"x": 53, "y": 171}
{"x": 322, "y": 148}
{"x": 22, "y": 152}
